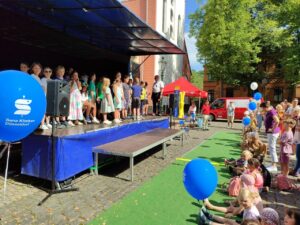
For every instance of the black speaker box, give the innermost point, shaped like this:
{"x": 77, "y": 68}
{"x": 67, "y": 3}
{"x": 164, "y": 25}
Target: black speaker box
{"x": 171, "y": 101}
{"x": 58, "y": 98}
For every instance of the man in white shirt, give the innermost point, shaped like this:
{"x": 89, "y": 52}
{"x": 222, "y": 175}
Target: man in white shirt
{"x": 157, "y": 92}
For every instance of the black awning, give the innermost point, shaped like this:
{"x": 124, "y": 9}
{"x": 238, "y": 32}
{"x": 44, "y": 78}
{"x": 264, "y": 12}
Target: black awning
{"x": 105, "y": 24}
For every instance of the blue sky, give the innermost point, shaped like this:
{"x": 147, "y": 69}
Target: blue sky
{"x": 191, "y": 6}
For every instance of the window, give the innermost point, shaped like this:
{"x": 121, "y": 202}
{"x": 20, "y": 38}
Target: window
{"x": 171, "y": 15}
{"x": 229, "y": 92}
{"x": 218, "y": 104}
{"x": 278, "y": 92}
{"x": 164, "y": 16}
{"x": 210, "y": 77}
{"x": 211, "y": 95}
{"x": 172, "y": 2}
{"x": 179, "y": 31}
{"x": 171, "y": 31}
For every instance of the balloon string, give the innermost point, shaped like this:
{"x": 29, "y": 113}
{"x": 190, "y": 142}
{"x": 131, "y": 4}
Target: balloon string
{"x": 6, "y": 171}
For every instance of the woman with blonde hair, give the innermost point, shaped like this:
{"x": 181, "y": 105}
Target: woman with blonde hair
{"x": 107, "y": 105}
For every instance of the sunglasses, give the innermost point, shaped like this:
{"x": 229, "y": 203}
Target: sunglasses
{"x": 48, "y": 71}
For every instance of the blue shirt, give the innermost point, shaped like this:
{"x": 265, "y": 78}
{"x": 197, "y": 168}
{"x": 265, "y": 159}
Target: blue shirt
{"x": 137, "y": 90}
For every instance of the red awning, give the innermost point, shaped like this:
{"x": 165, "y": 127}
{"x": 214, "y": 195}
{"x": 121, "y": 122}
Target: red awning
{"x": 182, "y": 84}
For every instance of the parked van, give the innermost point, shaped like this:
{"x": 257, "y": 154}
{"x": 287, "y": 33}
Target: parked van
{"x": 218, "y": 109}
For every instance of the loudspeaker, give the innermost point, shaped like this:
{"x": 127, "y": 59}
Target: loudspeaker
{"x": 171, "y": 101}
{"x": 58, "y": 98}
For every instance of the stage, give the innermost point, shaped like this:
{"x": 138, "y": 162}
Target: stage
{"x": 74, "y": 146}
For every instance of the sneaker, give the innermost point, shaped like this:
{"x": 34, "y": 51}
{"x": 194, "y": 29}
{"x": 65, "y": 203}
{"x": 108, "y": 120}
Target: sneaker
{"x": 49, "y": 125}
{"x": 88, "y": 120}
{"x": 107, "y": 122}
{"x": 272, "y": 169}
{"x": 71, "y": 124}
{"x": 44, "y": 127}
{"x": 60, "y": 126}
{"x": 95, "y": 120}
{"x": 79, "y": 123}
{"x": 206, "y": 213}
{"x": 203, "y": 219}
{"x": 117, "y": 121}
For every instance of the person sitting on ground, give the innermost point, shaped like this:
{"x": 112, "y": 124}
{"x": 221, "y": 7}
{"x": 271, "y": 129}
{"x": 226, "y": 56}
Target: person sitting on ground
{"x": 253, "y": 168}
{"x": 192, "y": 111}
{"x": 237, "y": 167}
{"x": 292, "y": 217}
{"x": 256, "y": 146}
{"x": 246, "y": 200}
{"x": 269, "y": 216}
{"x": 247, "y": 181}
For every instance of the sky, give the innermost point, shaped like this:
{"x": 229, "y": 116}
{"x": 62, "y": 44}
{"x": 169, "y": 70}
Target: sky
{"x": 191, "y": 6}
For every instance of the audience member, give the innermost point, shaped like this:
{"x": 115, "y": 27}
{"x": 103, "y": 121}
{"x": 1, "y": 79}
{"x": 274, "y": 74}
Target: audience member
{"x": 206, "y": 114}
{"x": 272, "y": 130}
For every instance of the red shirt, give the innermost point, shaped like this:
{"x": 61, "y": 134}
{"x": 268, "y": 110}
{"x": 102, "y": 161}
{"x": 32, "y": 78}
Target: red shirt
{"x": 205, "y": 109}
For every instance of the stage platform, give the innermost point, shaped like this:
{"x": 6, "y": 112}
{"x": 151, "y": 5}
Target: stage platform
{"x": 74, "y": 146}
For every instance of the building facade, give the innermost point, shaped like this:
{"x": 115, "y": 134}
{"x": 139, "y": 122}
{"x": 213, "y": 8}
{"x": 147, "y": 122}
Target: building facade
{"x": 273, "y": 88}
{"x": 166, "y": 17}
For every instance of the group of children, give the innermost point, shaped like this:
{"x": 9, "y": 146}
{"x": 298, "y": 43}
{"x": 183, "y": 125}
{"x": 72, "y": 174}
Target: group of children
{"x": 251, "y": 177}
{"x": 94, "y": 99}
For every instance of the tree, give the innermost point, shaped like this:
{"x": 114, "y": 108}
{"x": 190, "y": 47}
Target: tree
{"x": 226, "y": 39}
{"x": 238, "y": 39}
{"x": 197, "y": 78}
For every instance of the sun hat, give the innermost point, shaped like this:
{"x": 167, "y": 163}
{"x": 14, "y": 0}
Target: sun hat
{"x": 269, "y": 216}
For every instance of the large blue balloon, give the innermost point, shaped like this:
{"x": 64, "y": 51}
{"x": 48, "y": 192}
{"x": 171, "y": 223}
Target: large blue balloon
{"x": 23, "y": 105}
{"x": 257, "y": 96}
{"x": 200, "y": 178}
{"x": 246, "y": 121}
{"x": 252, "y": 106}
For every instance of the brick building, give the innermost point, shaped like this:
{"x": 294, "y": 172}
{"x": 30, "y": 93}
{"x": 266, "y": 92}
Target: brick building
{"x": 166, "y": 17}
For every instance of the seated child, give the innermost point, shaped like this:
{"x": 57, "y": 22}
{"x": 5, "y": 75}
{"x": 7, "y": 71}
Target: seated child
{"x": 246, "y": 200}
{"x": 237, "y": 167}
{"x": 253, "y": 169}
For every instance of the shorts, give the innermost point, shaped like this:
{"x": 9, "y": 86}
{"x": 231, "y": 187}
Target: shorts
{"x": 146, "y": 102}
{"x": 230, "y": 119}
{"x": 136, "y": 103}
{"x": 284, "y": 158}
{"x": 125, "y": 103}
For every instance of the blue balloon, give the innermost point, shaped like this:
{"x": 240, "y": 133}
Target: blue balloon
{"x": 257, "y": 96}
{"x": 200, "y": 178}
{"x": 23, "y": 105}
{"x": 246, "y": 121}
{"x": 252, "y": 106}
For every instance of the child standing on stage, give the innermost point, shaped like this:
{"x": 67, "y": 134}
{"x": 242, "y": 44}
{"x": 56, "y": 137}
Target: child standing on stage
{"x": 118, "y": 99}
{"x": 143, "y": 97}
{"x": 47, "y": 76}
{"x": 75, "y": 113}
{"x": 127, "y": 93}
{"x": 100, "y": 95}
{"x": 86, "y": 104}
{"x": 107, "y": 105}
{"x": 286, "y": 142}
{"x": 92, "y": 97}
{"x": 136, "y": 99}
{"x": 146, "y": 103}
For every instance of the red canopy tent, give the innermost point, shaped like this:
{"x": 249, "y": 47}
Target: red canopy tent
{"x": 182, "y": 84}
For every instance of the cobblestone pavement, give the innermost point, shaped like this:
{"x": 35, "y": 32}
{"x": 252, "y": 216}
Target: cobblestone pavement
{"x": 97, "y": 193}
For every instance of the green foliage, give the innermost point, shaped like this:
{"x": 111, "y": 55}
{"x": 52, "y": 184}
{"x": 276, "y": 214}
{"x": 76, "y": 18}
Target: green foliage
{"x": 197, "y": 78}
{"x": 237, "y": 38}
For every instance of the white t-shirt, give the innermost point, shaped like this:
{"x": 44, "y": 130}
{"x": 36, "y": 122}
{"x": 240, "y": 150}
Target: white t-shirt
{"x": 157, "y": 86}
{"x": 192, "y": 109}
{"x": 251, "y": 214}
{"x": 84, "y": 97}
{"x": 44, "y": 83}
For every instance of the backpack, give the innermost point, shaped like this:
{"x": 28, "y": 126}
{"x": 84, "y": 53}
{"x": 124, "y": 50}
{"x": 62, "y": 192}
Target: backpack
{"x": 285, "y": 184}
{"x": 234, "y": 186}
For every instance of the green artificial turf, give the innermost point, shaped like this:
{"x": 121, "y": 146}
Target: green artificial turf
{"x": 163, "y": 199}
